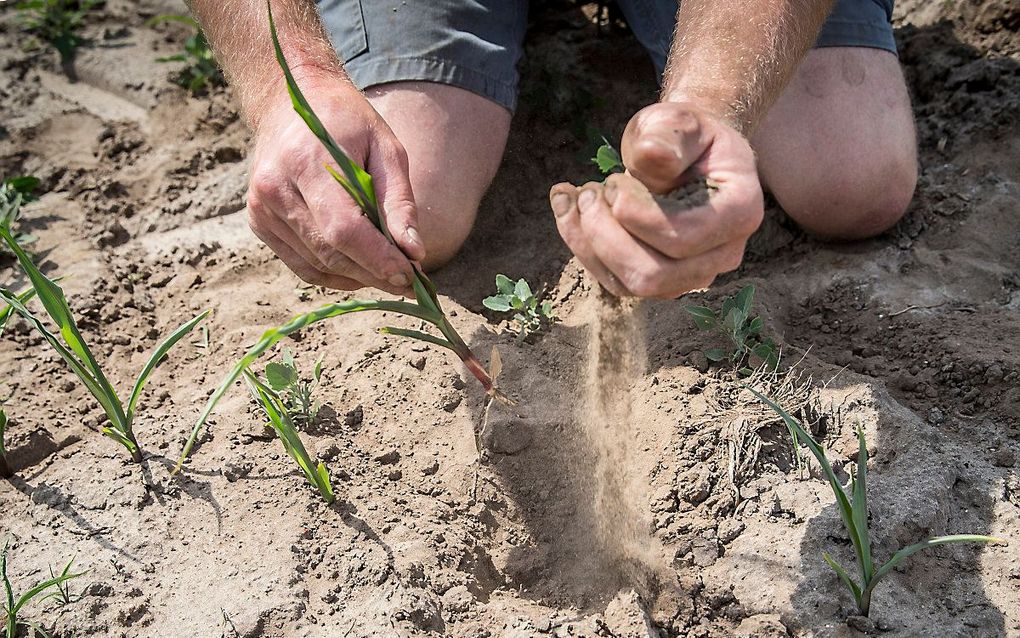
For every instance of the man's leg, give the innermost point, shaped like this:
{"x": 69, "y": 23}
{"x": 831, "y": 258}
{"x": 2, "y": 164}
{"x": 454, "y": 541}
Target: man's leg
{"x": 454, "y": 140}
{"x": 838, "y": 149}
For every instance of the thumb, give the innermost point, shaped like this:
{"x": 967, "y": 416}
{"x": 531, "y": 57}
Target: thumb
{"x": 390, "y": 175}
{"x": 661, "y": 142}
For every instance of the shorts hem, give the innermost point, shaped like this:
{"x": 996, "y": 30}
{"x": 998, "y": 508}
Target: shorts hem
{"x": 850, "y": 33}
{"x": 375, "y": 72}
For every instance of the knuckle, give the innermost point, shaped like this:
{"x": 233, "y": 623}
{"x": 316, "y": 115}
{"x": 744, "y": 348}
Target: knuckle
{"x": 267, "y": 185}
{"x": 339, "y": 234}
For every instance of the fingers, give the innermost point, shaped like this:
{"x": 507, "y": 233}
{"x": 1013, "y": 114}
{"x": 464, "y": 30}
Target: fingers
{"x": 298, "y": 264}
{"x": 563, "y": 199}
{"x": 733, "y": 211}
{"x": 389, "y": 168}
{"x": 661, "y": 142}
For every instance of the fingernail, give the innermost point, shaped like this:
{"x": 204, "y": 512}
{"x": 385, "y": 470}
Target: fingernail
{"x": 399, "y": 280}
{"x": 586, "y": 199}
{"x": 413, "y": 236}
{"x": 560, "y": 204}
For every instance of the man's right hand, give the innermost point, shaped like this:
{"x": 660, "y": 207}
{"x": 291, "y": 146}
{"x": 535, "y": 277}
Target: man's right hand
{"x": 306, "y": 217}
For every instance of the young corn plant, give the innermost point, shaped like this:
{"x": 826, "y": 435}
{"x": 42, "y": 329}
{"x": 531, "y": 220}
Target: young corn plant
{"x": 853, "y": 510}
{"x": 358, "y": 184}
{"x": 734, "y": 322}
{"x": 13, "y": 604}
{"x": 201, "y": 71}
{"x": 295, "y": 393}
{"x": 57, "y": 22}
{"x": 280, "y": 420}
{"x": 529, "y": 315}
{"x": 71, "y": 346}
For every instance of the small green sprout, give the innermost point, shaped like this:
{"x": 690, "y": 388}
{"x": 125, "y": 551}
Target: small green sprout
{"x": 201, "y": 71}
{"x": 5, "y": 468}
{"x": 13, "y": 605}
{"x": 76, "y": 353}
{"x": 608, "y": 159}
{"x": 15, "y": 191}
{"x": 280, "y": 420}
{"x": 63, "y": 594}
{"x": 853, "y": 509}
{"x": 529, "y": 315}
{"x": 295, "y": 393}
{"x": 57, "y": 22}
{"x": 734, "y": 321}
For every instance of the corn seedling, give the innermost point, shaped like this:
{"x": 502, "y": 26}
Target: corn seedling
{"x": 734, "y": 321}
{"x": 15, "y": 191}
{"x": 75, "y": 352}
{"x": 853, "y": 510}
{"x": 14, "y": 604}
{"x": 608, "y": 159}
{"x": 201, "y": 71}
{"x": 358, "y": 184}
{"x": 295, "y": 393}
{"x": 280, "y": 420}
{"x": 529, "y": 315}
{"x": 57, "y": 22}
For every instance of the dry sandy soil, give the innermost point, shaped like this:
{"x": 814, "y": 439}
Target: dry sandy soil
{"x": 911, "y": 336}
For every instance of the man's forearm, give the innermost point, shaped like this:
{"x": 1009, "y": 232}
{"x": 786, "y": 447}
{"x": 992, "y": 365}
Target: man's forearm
{"x": 734, "y": 57}
{"x": 238, "y": 32}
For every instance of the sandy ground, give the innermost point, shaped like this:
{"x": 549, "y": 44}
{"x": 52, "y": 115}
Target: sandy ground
{"x": 911, "y": 336}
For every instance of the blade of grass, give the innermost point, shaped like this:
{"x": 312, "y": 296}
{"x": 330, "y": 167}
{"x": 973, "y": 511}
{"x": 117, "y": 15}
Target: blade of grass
{"x": 157, "y": 358}
{"x": 417, "y": 334}
{"x": 8, "y": 311}
{"x": 845, "y": 577}
{"x": 860, "y": 507}
{"x": 5, "y": 468}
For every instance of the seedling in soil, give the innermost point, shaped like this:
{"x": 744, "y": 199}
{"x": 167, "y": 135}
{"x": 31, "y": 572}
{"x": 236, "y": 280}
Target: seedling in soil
{"x": 5, "y": 468}
{"x": 13, "y": 604}
{"x": 76, "y": 353}
{"x": 358, "y": 184}
{"x": 529, "y": 315}
{"x": 15, "y": 191}
{"x": 853, "y": 509}
{"x": 201, "y": 71}
{"x": 57, "y": 22}
{"x": 734, "y": 321}
{"x": 608, "y": 159}
{"x": 63, "y": 594}
{"x": 295, "y": 393}
{"x": 280, "y": 420}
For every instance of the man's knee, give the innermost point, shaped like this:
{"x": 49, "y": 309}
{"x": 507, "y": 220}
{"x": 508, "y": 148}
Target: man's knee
{"x": 854, "y": 200}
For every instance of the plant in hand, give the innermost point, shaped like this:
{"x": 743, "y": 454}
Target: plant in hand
{"x": 71, "y": 346}
{"x": 13, "y": 604}
{"x": 358, "y": 184}
{"x": 734, "y": 322}
{"x": 57, "y": 22}
{"x": 294, "y": 392}
{"x": 201, "y": 70}
{"x": 517, "y": 298}
{"x": 853, "y": 510}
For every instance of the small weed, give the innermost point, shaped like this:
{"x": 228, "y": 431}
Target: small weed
{"x": 608, "y": 159}
{"x": 280, "y": 420}
{"x": 63, "y": 594}
{"x": 57, "y": 22}
{"x": 853, "y": 509}
{"x": 529, "y": 315}
{"x": 294, "y": 392}
{"x": 202, "y": 71}
{"x": 14, "y": 604}
{"x": 734, "y": 321}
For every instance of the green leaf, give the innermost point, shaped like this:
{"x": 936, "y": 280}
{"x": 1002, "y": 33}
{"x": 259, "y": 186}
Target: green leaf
{"x": 608, "y": 159}
{"x": 522, "y": 290}
{"x": 158, "y": 356}
{"x": 910, "y": 550}
{"x": 24, "y": 184}
{"x": 3, "y": 428}
{"x": 854, "y": 588}
{"x": 734, "y": 319}
{"x": 280, "y": 375}
{"x": 317, "y": 370}
{"x": 419, "y": 335}
{"x": 715, "y": 354}
{"x": 745, "y": 299}
{"x": 504, "y": 285}
{"x": 756, "y": 325}
{"x": 547, "y": 310}
{"x": 704, "y": 318}
{"x": 8, "y": 311}
{"x": 860, "y": 508}
{"x": 499, "y": 303}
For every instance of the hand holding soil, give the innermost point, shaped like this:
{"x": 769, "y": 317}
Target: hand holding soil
{"x": 639, "y": 245}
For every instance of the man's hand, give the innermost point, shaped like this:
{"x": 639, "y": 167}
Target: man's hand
{"x": 307, "y": 218}
{"x": 638, "y": 245}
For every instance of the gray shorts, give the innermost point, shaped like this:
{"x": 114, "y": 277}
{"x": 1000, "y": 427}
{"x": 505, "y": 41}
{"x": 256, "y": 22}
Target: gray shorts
{"x": 476, "y": 44}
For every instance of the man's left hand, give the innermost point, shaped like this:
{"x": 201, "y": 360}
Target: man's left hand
{"x": 637, "y": 245}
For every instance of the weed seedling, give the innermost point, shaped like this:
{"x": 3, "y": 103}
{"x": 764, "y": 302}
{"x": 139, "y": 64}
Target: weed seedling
{"x": 608, "y": 159}
{"x": 358, "y": 185}
{"x": 517, "y": 298}
{"x": 63, "y": 594}
{"x": 295, "y": 393}
{"x": 75, "y": 352}
{"x": 734, "y": 321}
{"x": 201, "y": 70}
{"x": 280, "y": 420}
{"x": 57, "y": 22}
{"x": 853, "y": 509}
{"x": 13, "y": 604}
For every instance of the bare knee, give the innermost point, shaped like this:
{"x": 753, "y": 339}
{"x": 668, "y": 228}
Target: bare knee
{"x": 445, "y": 226}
